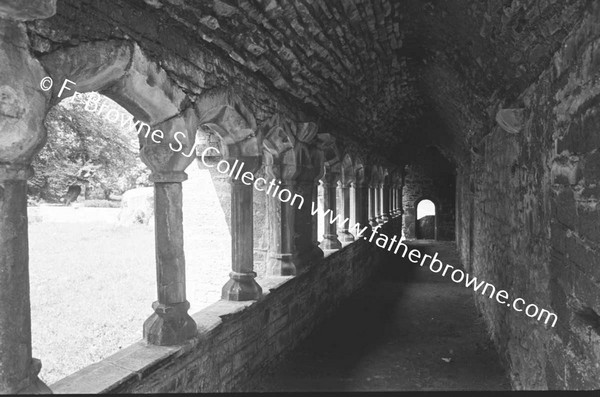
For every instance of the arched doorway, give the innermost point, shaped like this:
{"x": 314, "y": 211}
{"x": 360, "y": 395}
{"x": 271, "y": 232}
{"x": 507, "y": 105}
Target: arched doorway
{"x": 426, "y": 222}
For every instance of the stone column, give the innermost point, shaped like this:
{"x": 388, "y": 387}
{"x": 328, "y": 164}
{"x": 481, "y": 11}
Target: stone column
{"x": 345, "y": 235}
{"x": 224, "y": 114}
{"x": 401, "y": 192}
{"x": 330, "y": 239}
{"x": 170, "y": 324}
{"x": 315, "y": 170}
{"x": 378, "y": 204}
{"x": 281, "y": 258}
{"x": 281, "y": 163}
{"x": 306, "y": 250}
{"x": 23, "y": 107}
{"x": 392, "y": 201}
{"x": 372, "y": 207}
{"x": 314, "y": 222}
{"x": 385, "y": 203}
{"x": 18, "y": 369}
{"x": 362, "y": 203}
{"x": 291, "y": 153}
{"x": 242, "y": 285}
{"x": 362, "y": 199}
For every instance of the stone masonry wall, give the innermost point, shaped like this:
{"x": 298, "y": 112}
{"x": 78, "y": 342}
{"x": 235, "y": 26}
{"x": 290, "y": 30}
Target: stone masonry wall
{"x": 529, "y": 220}
{"x": 223, "y": 358}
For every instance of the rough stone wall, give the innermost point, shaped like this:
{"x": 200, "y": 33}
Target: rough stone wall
{"x": 465, "y": 192}
{"x": 228, "y": 356}
{"x": 435, "y": 184}
{"x": 535, "y": 216}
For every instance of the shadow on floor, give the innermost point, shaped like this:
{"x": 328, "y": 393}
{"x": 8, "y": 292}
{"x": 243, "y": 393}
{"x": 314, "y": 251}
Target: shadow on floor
{"x": 408, "y": 329}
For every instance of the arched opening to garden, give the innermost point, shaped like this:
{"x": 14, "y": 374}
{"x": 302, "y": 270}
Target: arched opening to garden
{"x": 92, "y": 237}
{"x": 426, "y": 224}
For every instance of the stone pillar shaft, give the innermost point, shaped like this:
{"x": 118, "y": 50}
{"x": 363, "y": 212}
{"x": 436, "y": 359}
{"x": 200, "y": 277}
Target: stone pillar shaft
{"x": 281, "y": 255}
{"x": 345, "y": 235}
{"x": 385, "y": 203}
{"x": 307, "y": 250}
{"x": 242, "y": 285}
{"x": 372, "y": 207}
{"x": 18, "y": 369}
{"x": 330, "y": 239}
{"x": 170, "y": 324}
{"x": 362, "y": 204}
{"x": 315, "y": 217}
{"x": 170, "y": 258}
{"x": 378, "y": 205}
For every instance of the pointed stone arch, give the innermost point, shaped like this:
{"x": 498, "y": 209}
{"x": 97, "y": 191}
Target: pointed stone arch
{"x": 121, "y": 71}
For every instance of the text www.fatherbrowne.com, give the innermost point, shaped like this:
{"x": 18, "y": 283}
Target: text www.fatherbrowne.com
{"x": 457, "y": 275}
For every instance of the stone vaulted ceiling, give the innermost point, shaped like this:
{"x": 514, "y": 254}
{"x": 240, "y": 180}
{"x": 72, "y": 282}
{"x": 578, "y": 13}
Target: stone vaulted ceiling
{"x": 393, "y": 75}
{"x": 343, "y": 57}
{"x": 361, "y": 63}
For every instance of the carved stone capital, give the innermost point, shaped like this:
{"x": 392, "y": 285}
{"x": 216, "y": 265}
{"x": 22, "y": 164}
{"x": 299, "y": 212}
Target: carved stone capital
{"x": 279, "y": 144}
{"x": 225, "y": 115}
{"x": 291, "y": 150}
{"x": 161, "y": 157}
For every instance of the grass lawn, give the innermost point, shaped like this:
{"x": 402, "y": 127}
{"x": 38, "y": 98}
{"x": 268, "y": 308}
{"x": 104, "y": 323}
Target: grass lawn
{"x": 93, "y": 282}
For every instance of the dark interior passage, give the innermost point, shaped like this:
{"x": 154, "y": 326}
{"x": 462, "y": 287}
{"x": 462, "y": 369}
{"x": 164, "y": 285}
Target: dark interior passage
{"x": 408, "y": 329}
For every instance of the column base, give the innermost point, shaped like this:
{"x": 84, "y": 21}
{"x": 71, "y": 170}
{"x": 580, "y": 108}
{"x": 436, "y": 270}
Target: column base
{"x": 345, "y": 236}
{"x": 309, "y": 257}
{"x": 169, "y": 325}
{"x": 330, "y": 242}
{"x": 34, "y": 384}
{"x": 281, "y": 265}
{"x": 380, "y": 221}
{"x": 373, "y": 222}
{"x": 241, "y": 287}
{"x": 385, "y": 218}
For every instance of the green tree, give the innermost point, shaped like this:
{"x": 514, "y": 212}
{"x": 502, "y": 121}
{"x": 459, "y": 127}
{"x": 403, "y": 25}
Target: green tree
{"x": 92, "y": 142}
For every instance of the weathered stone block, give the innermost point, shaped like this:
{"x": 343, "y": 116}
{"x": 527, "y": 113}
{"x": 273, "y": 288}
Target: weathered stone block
{"x": 589, "y": 222}
{"x": 566, "y": 212}
{"x": 137, "y": 206}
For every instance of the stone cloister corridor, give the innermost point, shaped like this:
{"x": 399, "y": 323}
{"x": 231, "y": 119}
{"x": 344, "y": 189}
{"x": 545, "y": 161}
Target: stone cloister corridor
{"x": 323, "y": 125}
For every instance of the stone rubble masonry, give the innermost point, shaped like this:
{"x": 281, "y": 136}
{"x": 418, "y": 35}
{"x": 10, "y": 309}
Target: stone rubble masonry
{"x": 430, "y": 180}
{"x": 528, "y": 218}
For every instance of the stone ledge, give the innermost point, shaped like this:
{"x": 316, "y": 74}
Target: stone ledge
{"x": 137, "y": 361}
{"x": 130, "y": 366}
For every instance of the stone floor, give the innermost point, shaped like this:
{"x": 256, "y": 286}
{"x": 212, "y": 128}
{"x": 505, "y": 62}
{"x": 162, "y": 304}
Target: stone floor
{"x": 410, "y": 329}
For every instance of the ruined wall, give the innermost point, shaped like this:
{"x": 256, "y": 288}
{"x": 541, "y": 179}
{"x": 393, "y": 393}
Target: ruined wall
{"x": 431, "y": 179}
{"x": 529, "y": 220}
